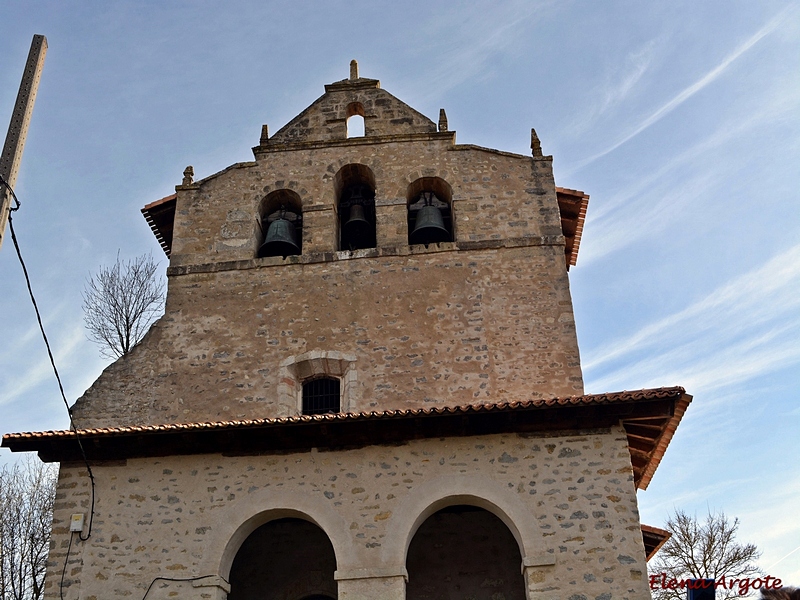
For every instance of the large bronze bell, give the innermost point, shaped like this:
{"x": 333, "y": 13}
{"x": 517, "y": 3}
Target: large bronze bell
{"x": 357, "y": 229}
{"x": 429, "y": 227}
{"x": 281, "y": 239}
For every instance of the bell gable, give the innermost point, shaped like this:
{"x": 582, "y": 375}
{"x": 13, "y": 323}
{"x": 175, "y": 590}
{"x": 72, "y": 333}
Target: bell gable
{"x": 327, "y": 118}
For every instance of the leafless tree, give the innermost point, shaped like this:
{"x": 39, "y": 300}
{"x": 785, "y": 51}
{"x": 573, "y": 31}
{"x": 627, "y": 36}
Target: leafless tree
{"x": 706, "y": 550}
{"x": 121, "y": 302}
{"x": 27, "y": 492}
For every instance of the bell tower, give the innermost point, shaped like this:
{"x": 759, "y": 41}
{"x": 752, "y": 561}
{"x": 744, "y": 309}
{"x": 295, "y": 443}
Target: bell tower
{"x": 412, "y": 270}
{"x": 366, "y": 384}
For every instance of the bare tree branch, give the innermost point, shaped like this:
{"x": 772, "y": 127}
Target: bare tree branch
{"x": 706, "y": 550}
{"x": 27, "y": 493}
{"x": 121, "y": 302}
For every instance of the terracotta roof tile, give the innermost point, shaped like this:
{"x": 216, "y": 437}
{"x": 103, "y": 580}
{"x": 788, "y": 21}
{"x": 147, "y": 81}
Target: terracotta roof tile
{"x": 588, "y": 399}
{"x": 649, "y": 417}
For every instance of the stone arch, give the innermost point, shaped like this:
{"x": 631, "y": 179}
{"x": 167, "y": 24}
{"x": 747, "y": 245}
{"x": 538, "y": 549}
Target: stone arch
{"x": 451, "y": 490}
{"x": 291, "y": 186}
{"x": 335, "y": 171}
{"x": 464, "y": 548}
{"x": 350, "y": 173}
{"x": 291, "y": 557}
{"x": 295, "y": 370}
{"x": 280, "y": 197}
{"x": 355, "y": 189}
{"x": 242, "y": 518}
{"x": 404, "y": 184}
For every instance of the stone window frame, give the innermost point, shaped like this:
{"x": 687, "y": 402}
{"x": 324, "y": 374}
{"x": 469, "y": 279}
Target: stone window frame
{"x": 355, "y": 109}
{"x": 296, "y": 370}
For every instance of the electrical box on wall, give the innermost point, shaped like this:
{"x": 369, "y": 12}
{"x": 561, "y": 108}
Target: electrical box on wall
{"x": 76, "y": 522}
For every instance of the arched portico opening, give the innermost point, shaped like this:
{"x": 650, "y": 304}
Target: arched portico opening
{"x": 464, "y": 551}
{"x": 286, "y": 559}
{"x": 355, "y": 201}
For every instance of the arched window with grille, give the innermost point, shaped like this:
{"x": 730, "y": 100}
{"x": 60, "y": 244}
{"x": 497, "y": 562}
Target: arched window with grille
{"x": 321, "y": 396}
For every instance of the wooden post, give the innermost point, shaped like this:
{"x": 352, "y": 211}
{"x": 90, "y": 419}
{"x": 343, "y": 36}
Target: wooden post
{"x": 18, "y": 129}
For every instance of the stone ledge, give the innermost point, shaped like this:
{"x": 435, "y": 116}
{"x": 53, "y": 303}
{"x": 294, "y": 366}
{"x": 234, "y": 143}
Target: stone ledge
{"x": 212, "y": 581}
{"x": 322, "y": 257}
{"x": 285, "y": 146}
{"x": 539, "y": 559}
{"x": 371, "y": 573}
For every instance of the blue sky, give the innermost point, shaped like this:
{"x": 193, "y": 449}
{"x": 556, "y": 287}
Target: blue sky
{"x": 680, "y": 119}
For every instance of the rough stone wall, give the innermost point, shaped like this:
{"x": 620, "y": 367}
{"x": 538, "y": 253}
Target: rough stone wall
{"x": 568, "y": 499}
{"x": 496, "y": 196}
{"x": 444, "y": 327}
{"x": 486, "y": 318}
{"x": 326, "y": 118}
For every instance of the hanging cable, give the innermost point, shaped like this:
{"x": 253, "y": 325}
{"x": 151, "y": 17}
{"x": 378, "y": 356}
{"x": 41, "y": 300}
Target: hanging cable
{"x": 64, "y": 570}
{"x": 11, "y": 210}
{"x": 178, "y": 579}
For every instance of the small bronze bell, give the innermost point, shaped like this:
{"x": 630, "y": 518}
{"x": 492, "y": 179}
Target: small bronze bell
{"x": 357, "y": 229}
{"x": 281, "y": 239}
{"x": 429, "y": 227}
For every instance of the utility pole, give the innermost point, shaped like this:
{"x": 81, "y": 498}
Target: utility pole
{"x": 18, "y": 129}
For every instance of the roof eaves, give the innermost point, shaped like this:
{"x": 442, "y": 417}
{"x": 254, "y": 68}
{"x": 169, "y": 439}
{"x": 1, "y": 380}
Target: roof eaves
{"x": 666, "y": 437}
{"x": 585, "y": 400}
{"x": 160, "y": 216}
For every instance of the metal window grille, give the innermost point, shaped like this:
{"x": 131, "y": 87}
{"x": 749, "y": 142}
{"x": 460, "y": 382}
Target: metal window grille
{"x": 321, "y": 396}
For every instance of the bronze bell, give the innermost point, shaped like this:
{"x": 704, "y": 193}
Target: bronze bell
{"x": 429, "y": 227}
{"x": 281, "y": 239}
{"x": 357, "y": 229}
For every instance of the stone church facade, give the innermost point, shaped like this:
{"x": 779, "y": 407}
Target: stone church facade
{"x": 366, "y": 385}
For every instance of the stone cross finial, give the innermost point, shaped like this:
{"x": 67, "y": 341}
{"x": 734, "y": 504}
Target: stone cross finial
{"x": 536, "y": 145}
{"x": 264, "y": 134}
{"x": 188, "y": 175}
{"x": 353, "y": 69}
{"x": 442, "y": 120}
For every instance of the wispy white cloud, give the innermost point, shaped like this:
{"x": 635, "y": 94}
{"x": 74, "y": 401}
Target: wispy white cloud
{"x": 653, "y": 210}
{"x": 654, "y": 200}
{"x": 693, "y": 89}
{"x": 745, "y": 328}
{"x": 617, "y": 85}
{"x": 702, "y": 367}
{"x": 474, "y": 39}
{"x": 41, "y": 370}
{"x": 724, "y": 135}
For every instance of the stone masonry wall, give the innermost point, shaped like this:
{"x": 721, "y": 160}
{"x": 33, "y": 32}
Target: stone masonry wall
{"x": 419, "y": 330}
{"x": 568, "y": 499}
{"x": 496, "y": 195}
{"x": 326, "y": 118}
{"x": 486, "y": 318}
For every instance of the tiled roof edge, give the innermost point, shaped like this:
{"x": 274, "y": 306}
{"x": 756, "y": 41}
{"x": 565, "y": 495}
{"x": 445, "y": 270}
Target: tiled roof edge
{"x": 586, "y": 399}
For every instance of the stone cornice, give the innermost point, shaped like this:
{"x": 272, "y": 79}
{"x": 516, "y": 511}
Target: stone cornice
{"x": 322, "y": 257}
